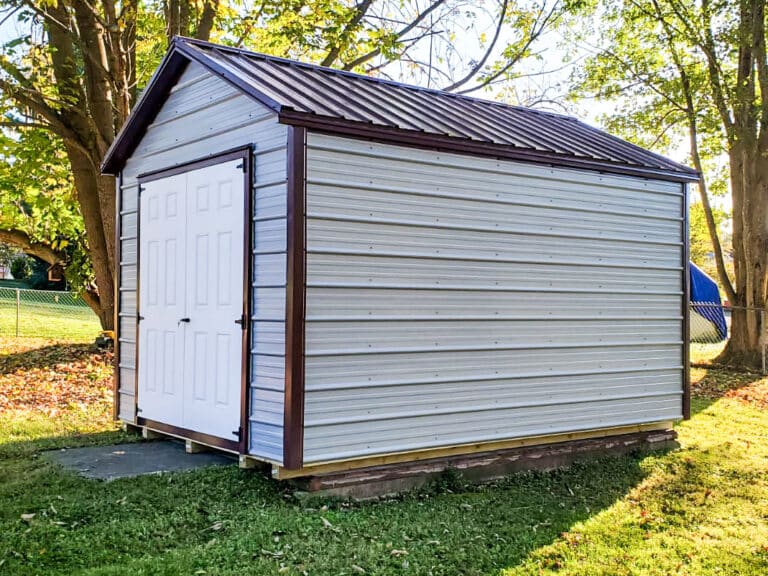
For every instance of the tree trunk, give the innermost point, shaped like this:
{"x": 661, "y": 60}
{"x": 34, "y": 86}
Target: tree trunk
{"x": 749, "y": 182}
{"x": 88, "y": 184}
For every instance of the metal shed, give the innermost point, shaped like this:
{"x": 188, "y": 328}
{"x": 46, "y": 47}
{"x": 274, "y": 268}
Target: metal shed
{"x": 324, "y": 271}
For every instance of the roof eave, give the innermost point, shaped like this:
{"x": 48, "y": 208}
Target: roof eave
{"x": 446, "y": 143}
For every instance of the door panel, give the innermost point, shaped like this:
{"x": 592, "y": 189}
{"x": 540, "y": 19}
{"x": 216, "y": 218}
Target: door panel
{"x": 214, "y": 296}
{"x": 191, "y": 254}
{"x": 162, "y": 299}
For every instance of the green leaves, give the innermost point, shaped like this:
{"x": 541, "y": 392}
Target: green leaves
{"x": 37, "y": 196}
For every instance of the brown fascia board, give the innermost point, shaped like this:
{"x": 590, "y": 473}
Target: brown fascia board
{"x": 166, "y": 76}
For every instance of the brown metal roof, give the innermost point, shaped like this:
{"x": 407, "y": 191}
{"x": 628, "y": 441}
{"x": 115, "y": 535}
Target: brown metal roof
{"x": 356, "y": 105}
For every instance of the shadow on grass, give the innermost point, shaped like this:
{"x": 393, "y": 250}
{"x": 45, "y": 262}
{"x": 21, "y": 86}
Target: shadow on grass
{"x": 710, "y": 492}
{"x": 45, "y": 356}
{"x": 21, "y": 447}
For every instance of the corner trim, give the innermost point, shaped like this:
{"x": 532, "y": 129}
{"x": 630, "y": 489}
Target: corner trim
{"x": 116, "y": 283}
{"x": 293, "y": 429}
{"x": 686, "y": 308}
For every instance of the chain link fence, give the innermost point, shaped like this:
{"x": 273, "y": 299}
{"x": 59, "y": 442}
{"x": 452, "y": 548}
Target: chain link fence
{"x": 710, "y": 325}
{"x": 46, "y": 314}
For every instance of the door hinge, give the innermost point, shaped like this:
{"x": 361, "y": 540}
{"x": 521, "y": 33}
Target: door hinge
{"x": 241, "y": 166}
{"x": 241, "y": 321}
{"x": 139, "y": 317}
{"x": 139, "y": 410}
{"x": 238, "y": 432}
{"x": 141, "y": 189}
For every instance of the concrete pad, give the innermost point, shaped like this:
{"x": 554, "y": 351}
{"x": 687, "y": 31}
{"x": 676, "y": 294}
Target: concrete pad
{"x": 128, "y": 460}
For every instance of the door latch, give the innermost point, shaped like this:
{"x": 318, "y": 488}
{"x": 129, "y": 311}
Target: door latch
{"x": 185, "y": 320}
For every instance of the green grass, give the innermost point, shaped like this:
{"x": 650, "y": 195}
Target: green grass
{"x": 47, "y": 315}
{"x": 700, "y": 510}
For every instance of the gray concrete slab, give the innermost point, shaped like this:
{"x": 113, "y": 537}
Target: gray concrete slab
{"x": 128, "y": 460}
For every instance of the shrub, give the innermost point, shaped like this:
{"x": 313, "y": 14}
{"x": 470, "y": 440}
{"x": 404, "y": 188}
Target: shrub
{"x": 20, "y": 267}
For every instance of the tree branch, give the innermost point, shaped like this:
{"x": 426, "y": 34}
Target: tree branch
{"x": 479, "y": 65}
{"x": 22, "y": 240}
{"x": 534, "y": 33}
{"x": 399, "y": 34}
{"x": 18, "y": 124}
{"x": 360, "y": 11}
{"x": 32, "y": 101}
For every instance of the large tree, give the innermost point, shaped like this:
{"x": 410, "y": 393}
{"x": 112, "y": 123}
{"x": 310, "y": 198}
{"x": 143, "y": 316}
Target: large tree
{"x": 699, "y": 66}
{"x": 77, "y": 66}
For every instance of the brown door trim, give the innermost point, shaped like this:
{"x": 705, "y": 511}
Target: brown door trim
{"x": 293, "y": 430}
{"x": 244, "y": 152}
{"x": 207, "y": 439}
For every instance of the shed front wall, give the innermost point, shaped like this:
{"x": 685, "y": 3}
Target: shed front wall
{"x": 204, "y": 116}
{"x": 454, "y": 299}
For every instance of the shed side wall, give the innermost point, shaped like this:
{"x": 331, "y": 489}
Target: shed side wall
{"x": 204, "y": 116}
{"x": 456, "y": 299}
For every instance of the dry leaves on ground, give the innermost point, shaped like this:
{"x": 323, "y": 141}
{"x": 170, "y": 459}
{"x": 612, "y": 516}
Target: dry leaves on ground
{"x": 51, "y": 376}
{"x": 718, "y": 383}
{"x": 755, "y": 394}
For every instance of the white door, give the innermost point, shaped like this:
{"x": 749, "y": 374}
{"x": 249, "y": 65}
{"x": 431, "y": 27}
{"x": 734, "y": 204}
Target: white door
{"x": 214, "y": 240}
{"x": 190, "y": 340}
{"x": 162, "y": 298}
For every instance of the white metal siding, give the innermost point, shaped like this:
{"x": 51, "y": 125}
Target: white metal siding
{"x": 204, "y": 116}
{"x": 455, "y": 299}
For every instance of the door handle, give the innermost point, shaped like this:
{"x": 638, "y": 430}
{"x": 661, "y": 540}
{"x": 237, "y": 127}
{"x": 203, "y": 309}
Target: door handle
{"x": 186, "y": 320}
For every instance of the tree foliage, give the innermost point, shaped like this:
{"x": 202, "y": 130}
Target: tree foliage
{"x": 697, "y": 70}
{"x": 71, "y": 77}
{"x": 38, "y": 210}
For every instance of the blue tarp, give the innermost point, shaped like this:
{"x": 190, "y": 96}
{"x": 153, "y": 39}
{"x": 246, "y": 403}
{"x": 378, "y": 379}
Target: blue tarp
{"x": 704, "y": 291}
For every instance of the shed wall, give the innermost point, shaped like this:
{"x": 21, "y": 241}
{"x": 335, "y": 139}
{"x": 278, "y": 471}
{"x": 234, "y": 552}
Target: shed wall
{"x": 204, "y": 116}
{"x": 455, "y": 299}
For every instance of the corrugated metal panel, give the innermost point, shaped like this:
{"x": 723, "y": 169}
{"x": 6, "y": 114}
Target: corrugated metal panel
{"x": 323, "y": 92}
{"x": 203, "y": 115}
{"x": 454, "y": 300}
{"x": 269, "y": 289}
{"x": 413, "y": 433}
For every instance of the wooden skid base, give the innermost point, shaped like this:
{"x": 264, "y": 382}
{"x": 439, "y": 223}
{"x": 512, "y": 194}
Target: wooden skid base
{"x": 131, "y": 428}
{"x": 377, "y": 481}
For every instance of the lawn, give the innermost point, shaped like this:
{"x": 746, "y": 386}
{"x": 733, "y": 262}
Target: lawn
{"x": 46, "y": 314}
{"x": 700, "y": 510}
